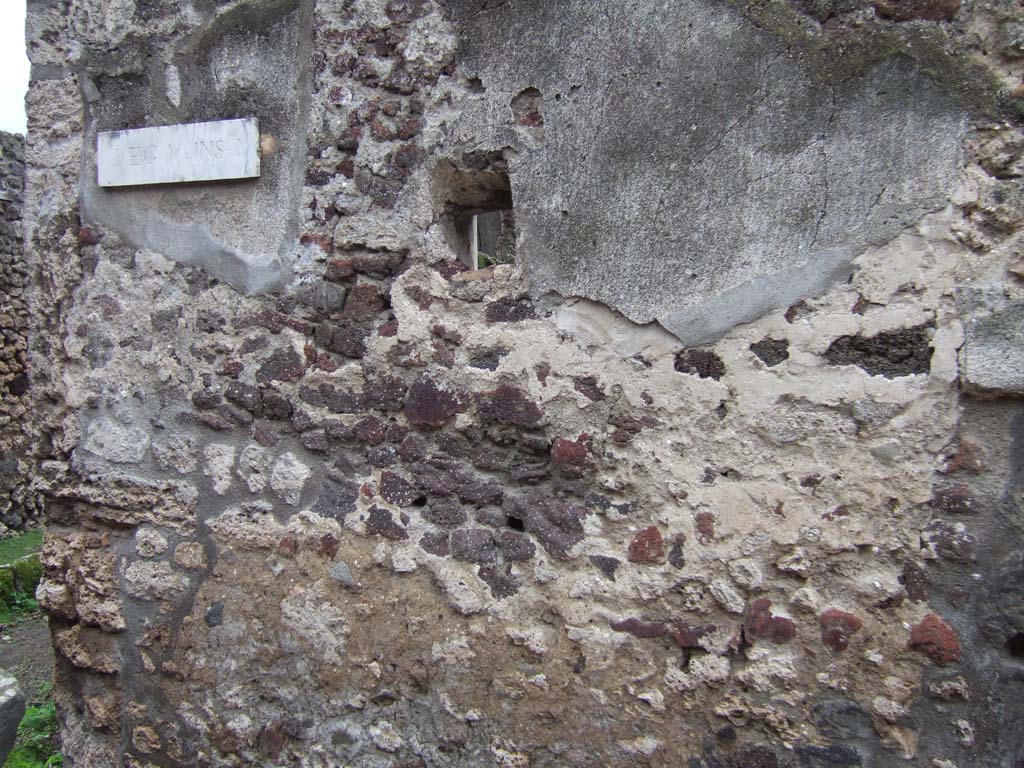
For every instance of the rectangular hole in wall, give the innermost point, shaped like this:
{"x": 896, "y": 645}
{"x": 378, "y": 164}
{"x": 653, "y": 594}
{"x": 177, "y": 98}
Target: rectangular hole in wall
{"x": 491, "y": 238}
{"x": 478, "y": 217}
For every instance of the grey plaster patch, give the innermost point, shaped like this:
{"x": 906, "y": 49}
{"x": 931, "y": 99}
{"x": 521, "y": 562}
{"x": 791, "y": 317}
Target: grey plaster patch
{"x": 993, "y": 354}
{"x": 690, "y": 170}
{"x": 116, "y": 442}
{"x": 239, "y": 232}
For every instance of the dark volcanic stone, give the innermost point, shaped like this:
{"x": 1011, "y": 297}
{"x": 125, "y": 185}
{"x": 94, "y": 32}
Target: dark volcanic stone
{"x": 834, "y": 755}
{"x": 434, "y": 479}
{"x": 349, "y": 341}
{"x": 509, "y": 310}
{"x": 397, "y": 490}
{"x": 205, "y": 399}
{"x": 488, "y": 360}
{"x": 702, "y": 362}
{"x": 556, "y": 524}
{"x": 211, "y": 420}
{"x": 282, "y": 365}
{"x": 949, "y": 541}
{"x": 435, "y": 543}
{"x": 1002, "y": 617}
{"x": 337, "y": 499}
{"x": 606, "y": 565}
{"x": 516, "y": 546}
{"x": 379, "y": 522}
{"x": 412, "y": 449}
{"x": 474, "y": 545}
{"x": 397, "y": 433}
{"x": 890, "y": 354}
{"x": 384, "y": 394}
{"x": 771, "y": 351}
{"x": 339, "y": 400}
{"x": 214, "y": 615}
{"x": 757, "y": 756}
{"x": 370, "y": 430}
{"x": 915, "y": 581}
{"x": 382, "y": 456}
{"x": 823, "y": 10}
{"x": 430, "y": 405}
{"x": 842, "y": 720}
{"x": 473, "y": 490}
{"x": 912, "y": 10}
{"x": 954, "y": 500}
{"x": 364, "y": 302}
{"x": 501, "y": 582}
{"x": 445, "y": 513}
{"x": 588, "y": 387}
{"x": 676, "y": 558}
{"x": 315, "y": 440}
{"x": 508, "y": 405}
{"x": 275, "y": 407}
{"x": 265, "y": 434}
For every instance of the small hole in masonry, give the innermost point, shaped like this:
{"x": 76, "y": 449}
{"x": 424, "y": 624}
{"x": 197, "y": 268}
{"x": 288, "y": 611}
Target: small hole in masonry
{"x": 1015, "y": 645}
{"x": 515, "y": 523}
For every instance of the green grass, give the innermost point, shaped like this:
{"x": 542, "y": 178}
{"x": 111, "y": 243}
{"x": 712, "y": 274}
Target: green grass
{"x": 37, "y": 743}
{"x": 7, "y": 590}
{"x": 27, "y": 573}
{"x": 20, "y": 572}
{"x": 18, "y": 547}
{"x": 22, "y": 605}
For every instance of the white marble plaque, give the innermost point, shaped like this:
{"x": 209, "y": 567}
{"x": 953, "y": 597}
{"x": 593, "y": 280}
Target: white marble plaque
{"x": 170, "y": 154}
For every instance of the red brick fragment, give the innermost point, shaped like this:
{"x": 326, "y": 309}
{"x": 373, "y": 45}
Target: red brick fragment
{"x": 325, "y": 243}
{"x": 647, "y": 546}
{"x": 704, "y": 523}
{"x": 933, "y": 637}
{"x": 329, "y": 545}
{"x": 642, "y": 629}
{"x": 88, "y": 236}
{"x": 572, "y": 457}
{"x": 837, "y": 627}
{"x": 689, "y": 637}
{"x": 760, "y": 624}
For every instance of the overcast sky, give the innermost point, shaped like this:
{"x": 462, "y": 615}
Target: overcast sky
{"x": 13, "y": 66}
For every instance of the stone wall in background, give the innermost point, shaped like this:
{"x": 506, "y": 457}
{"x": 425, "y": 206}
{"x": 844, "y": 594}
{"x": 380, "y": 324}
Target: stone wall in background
{"x": 317, "y": 495}
{"x": 19, "y": 505}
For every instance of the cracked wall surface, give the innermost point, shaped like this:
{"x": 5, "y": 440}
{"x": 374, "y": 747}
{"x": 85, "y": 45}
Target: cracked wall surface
{"x": 318, "y": 495}
{"x": 692, "y": 169}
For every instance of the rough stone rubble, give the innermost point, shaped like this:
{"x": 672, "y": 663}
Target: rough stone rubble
{"x": 318, "y": 495}
{"x": 19, "y": 504}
